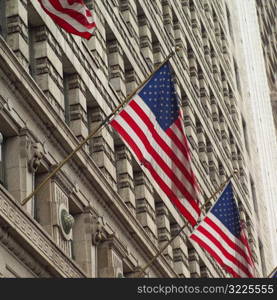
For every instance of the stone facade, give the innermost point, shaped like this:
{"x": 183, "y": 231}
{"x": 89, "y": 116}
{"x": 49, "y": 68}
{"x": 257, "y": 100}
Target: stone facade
{"x": 100, "y": 215}
{"x": 267, "y": 17}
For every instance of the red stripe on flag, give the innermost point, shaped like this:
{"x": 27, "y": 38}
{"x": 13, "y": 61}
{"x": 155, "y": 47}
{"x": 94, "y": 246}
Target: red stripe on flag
{"x": 226, "y": 238}
{"x": 214, "y": 255}
{"x": 129, "y": 120}
{"x": 223, "y": 250}
{"x": 127, "y": 138}
{"x": 161, "y": 142}
{"x": 67, "y": 26}
{"x": 73, "y": 13}
{"x": 155, "y": 175}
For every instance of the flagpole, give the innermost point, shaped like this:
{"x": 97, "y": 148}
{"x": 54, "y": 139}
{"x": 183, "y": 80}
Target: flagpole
{"x": 273, "y": 271}
{"x": 159, "y": 253}
{"x": 93, "y": 133}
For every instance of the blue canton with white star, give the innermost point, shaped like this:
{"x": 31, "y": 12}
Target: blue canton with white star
{"x": 159, "y": 94}
{"x": 227, "y": 211}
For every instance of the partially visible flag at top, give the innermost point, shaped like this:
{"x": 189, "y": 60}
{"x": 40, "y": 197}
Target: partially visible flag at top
{"x": 221, "y": 234}
{"x": 72, "y": 15}
{"x": 151, "y": 124}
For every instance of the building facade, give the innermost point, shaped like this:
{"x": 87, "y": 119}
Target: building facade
{"x": 267, "y": 19}
{"x": 100, "y": 215}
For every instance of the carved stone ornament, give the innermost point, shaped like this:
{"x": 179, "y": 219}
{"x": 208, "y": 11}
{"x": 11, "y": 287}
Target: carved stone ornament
{"x": 66, "y": 221}
{"x": 98, "y": 234}
{"x": 35, "y": 154}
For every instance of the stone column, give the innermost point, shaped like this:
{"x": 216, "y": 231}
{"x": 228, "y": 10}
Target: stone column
{"x": 215, "y": 115}
{"x": 242, "y": 173}
{"x": 193, "y": 69}
{"x": 52, "y": 212}
{"x": 157, "y": 50}
{"x": 125, "y": 177}
{"x": 129, "y": 11}
{"x": 77, "y": 106}
{"x": 234, "y": 154}
{"x": 164, "y": 233}
{"x": 213, "y": 166}
{"x": 190, "y": 123}
{"x": 208, "y": 14}
{"x": 146, "y": 40}
{"x": 202, "y": 147}
{"x": 97, "y": 43}
{"x": 145, "y": 205}
{"x": 102, "y": 146}
{"x": 110, "y": 258}
{"x": 116, "y": 68}
{"x": 205, "y": 100}
{"x": 88, "y": 234}
{"x": 195, "y": 24}
{"x": 225, "y": 87}
{"x": 215, "y": 68}
{"x": 186, "y": 9}
{"x": 225, "y": 136}
{"x": 204, "y": 272}
{"x": 225, "y": 47}
{"x": 131, "y": 80}
{"x": 168, "y": 18}
{"x": 48, "y": 68}
{"x": 180, "y": 252}
{"x": 17, "y": 29}
{"x": 234, "y": 110}
{"x": 207, "y": 48}
{"x": 180, "y": 41}
{"x": 194, "y": 265}
{"x": 23, "y": 157}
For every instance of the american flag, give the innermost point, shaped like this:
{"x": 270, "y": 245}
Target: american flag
{"x": 71, "y": 15}
{"x": 151, "y": 124}
{"x": 221, "y": 234}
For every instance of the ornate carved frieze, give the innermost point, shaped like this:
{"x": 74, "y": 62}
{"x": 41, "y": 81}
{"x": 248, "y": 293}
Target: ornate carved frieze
{"x": 32, "y": 234}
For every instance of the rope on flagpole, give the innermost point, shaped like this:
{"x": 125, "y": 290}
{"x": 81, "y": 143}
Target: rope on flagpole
{"x": 160, "y": 252}
{"x": 93, "y": 133}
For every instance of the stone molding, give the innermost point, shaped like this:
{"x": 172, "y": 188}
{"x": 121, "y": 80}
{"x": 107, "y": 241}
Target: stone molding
{"x": 9, "y": 242}
{"x": 22, "y": 225}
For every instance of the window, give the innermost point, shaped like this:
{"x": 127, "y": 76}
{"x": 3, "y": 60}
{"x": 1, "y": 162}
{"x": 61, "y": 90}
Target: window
{"x": 254, "y": 197}
{"x": 237, "y": 76}
{"x": 262, "y": 255}
{"x": 229, "y": 23}
{"x": 3, "y": 24}
{"x": 245, "y": 135}
{"x": 2, "y": 177}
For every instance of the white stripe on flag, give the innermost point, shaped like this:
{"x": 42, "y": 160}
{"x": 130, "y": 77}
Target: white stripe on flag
{"x": 160, "y": 131}
{"x": 71, "y": 21}
{"x": 232, "y": 251}
{"x": 225, "y": 260}
{"x": 155, "y": 165}
{"x": 170, "y": 163}
{"x": 227, "y": 232}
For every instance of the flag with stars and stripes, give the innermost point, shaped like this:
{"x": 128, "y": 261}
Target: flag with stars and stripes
{"x": 152, "y": 125}
{"x": 221, "y": 234}
{"x": 73, "y": 16}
